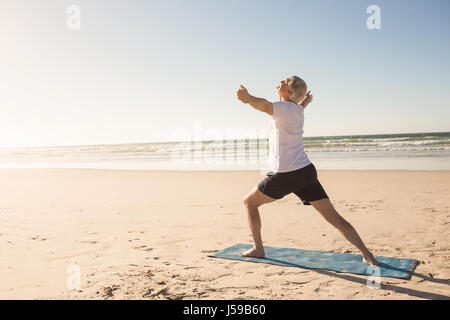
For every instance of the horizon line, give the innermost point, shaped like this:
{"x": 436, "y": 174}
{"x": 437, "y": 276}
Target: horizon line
{"x": 171, "y": 141}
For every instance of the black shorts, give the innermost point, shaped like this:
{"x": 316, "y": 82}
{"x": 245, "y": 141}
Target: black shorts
{"x": 303, "y": 182}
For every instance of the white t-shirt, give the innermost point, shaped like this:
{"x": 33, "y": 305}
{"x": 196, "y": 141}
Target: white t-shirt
{"x": 286, "y": 152}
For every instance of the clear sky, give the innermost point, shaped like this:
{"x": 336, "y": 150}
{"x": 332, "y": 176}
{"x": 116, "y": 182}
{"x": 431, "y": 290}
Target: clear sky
{"x": 137, "y": 71}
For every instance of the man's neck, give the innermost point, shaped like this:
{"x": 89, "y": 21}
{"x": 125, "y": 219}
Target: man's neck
{"x": 286, "y": 100}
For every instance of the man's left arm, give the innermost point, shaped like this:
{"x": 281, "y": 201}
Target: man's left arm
{"x": 307, "y": 100}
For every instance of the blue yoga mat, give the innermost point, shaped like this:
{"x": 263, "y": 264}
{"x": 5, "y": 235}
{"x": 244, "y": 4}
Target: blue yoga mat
{"x": 311, "y": 259}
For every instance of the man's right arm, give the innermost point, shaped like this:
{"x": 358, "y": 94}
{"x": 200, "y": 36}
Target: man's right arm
{"x": 261, "y": 104}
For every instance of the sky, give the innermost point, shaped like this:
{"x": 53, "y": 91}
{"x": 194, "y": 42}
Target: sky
{"x": 139, "y": 71}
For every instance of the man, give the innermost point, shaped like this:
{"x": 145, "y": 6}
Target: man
{"x": 292, "y": 171}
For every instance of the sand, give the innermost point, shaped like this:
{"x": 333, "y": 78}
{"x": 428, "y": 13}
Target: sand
{"x": 147, "y": 234}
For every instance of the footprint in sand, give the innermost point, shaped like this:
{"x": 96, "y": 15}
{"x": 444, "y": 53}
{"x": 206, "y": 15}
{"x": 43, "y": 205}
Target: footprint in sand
{"x": 38, "y": 238}
{"x": 109, "y": 291}
{"x": 298, "y": 283}
{"x": 163, "y": 291}
{"x": 89, "y": 241}
{"x": 147, "y": 293}
{"x": 143, "y": 248}
{"x": 222, "y": 275}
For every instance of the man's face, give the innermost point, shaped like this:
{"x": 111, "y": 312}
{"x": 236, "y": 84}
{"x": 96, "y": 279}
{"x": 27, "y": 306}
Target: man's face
{"x": 283, "y": 89}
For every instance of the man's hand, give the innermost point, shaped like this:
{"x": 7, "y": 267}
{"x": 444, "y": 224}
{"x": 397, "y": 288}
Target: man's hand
{"x": 307, "y": 99}
{"x": 243, "y": 95}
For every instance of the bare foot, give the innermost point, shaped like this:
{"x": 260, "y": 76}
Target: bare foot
{"x": 370, "y": 259}
{"x": 253, "y": 253}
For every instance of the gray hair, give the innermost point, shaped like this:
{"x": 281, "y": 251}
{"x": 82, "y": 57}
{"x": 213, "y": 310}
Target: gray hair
{"x": 298, "y": 88}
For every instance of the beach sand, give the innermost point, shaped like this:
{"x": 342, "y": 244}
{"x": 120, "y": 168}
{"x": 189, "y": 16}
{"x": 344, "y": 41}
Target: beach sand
{"x": 147, "y": 234}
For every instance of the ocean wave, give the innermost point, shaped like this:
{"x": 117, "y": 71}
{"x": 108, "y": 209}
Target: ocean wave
{"x": 420, "y": 143}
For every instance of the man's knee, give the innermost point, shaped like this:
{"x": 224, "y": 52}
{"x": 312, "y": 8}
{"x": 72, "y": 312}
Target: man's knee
{"x": 252, "y": 200}
{"x": 249, "y": 202}
{"x": 256, "y": 198}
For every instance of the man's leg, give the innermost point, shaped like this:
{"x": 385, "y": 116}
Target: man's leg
{"x": 252, "y": 201}
{"x": 326, "y": 209}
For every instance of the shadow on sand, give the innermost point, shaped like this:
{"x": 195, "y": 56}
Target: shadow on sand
{"x": 395, "y": 288}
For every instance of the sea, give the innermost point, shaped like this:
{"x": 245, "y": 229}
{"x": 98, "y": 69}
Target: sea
{"x": 409, "y": 151}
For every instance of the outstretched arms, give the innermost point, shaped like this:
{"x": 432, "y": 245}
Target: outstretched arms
{"x": 258, "y": 103}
